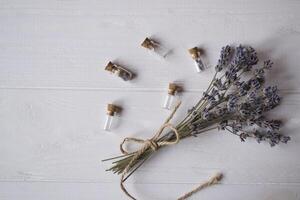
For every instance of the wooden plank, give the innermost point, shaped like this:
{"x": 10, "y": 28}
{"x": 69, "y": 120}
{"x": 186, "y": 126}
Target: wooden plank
{"x": 93, "y": 191}
{"x": 67, "y": 45}
{"x": 57, "y": 135}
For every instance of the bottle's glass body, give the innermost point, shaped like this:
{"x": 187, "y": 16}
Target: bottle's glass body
{"x": 108, "y": 122}
{"x": 168, "y": 101}
{"x": 199, "y": 65}
{"x": 161, "y": 50}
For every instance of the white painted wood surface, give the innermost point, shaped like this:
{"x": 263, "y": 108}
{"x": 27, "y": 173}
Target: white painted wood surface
{"x": 53, "y": 92}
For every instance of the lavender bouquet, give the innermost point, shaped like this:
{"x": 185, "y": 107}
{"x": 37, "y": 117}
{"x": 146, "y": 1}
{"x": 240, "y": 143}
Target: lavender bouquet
{"x": 235, "y": 101}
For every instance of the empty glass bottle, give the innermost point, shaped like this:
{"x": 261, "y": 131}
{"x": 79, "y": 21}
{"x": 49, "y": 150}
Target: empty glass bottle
{"x": 111, "y": 111}
{"x": 155, "y": 47}
{"x": 173, "y": 89}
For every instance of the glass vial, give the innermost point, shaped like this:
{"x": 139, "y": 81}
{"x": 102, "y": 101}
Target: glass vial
{"x": 108, "y": 122}
{"x": 199, "y": 65}
{"x": 119, "y": 71}
{"x": 155, "y": 47}
{"x": 111, "y": 111}
{"x": 173, "y": 89}
{"x": 168, "y": 101}
{"x": 196, "y": 53}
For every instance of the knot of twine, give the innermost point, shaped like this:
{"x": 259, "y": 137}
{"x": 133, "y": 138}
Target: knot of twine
{"x": 152, "y": 143}
{"x": 155, "y": 144}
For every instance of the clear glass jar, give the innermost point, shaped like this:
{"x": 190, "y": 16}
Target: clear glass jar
{"x": 168, "y": 101}
{"x": 156, "y": 47}
{"x": 108, "y": 122}
{"x": 111, "y": 111}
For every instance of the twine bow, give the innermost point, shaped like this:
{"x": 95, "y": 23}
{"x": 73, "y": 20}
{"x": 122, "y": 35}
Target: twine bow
{"x": 152, "y": 143}
{"x": 155, "y": 144}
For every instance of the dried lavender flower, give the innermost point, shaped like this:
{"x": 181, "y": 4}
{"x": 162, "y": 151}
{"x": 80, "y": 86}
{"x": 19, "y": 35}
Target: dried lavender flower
{"x": 233, "y": 102}
{"x": 225, "y": 56}
{"x": 268, "y": 64}
{"x": 245, "y": 57}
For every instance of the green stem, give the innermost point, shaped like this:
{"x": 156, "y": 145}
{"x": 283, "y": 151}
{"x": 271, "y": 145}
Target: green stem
{"x": 199, "y": 102}
{"x": 124, "y": 155}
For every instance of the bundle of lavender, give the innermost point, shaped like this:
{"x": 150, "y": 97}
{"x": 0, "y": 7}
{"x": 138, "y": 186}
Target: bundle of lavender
{"x": 235, "y": 101}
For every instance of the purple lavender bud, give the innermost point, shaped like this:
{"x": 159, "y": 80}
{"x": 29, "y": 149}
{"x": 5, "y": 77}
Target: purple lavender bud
{"x": 245, "y": 57}
{"x": 232, "y": 103}
{"x": 255, "y": 83}
{"x": 224, "y": 58}
{"x": 270, "y": 91}
{"x": 244, "y": 88}
{"x": 273, "y": 101}
{"x": 268, "y": 64}
{"x": 259, "y": 72}
{"x": 252, "y": 97}
{"x": 284, "y": 139}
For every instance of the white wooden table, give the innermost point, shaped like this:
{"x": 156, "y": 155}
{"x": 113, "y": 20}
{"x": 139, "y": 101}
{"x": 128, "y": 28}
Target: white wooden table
{"x": 54, "y": 91}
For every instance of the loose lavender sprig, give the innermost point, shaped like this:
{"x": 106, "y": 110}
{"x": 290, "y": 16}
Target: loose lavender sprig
{"x": 235, "y": 101}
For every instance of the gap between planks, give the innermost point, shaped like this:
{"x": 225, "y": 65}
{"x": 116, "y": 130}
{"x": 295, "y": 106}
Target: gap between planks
{"x": 149, "y": 183}
{"x": 130, "y": 89}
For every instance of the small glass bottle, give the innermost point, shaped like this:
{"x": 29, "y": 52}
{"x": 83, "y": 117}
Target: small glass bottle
{"x": 120, "y": 71}
{"x": 155, "y": 47}
{"x": 111, "y": 111}
{"x": 173, "y": 89}
{"x": 196, "y": 53}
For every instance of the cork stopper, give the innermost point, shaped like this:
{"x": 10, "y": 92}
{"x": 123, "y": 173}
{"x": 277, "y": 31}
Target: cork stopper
{"x": 173, "y": 88}
{"x": 110, "y": 67}
{"x": 112, "y": 109}
{"x": 148, "y": 43}
{"x": 195, "y": 52}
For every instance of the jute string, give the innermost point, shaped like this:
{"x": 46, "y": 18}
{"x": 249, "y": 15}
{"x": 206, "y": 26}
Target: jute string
{"x": 213, "y": 180}
{"x": 154, "y": 144}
